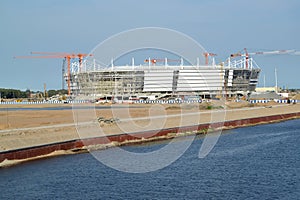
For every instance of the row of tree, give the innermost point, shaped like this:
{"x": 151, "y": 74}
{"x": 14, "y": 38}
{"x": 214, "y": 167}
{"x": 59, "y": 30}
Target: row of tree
{"x": 13, "y": 93}
{"x": 51, "y": 93}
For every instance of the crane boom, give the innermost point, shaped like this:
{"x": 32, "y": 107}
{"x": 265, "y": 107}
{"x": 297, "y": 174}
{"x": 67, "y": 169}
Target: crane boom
{"x": 65, "y": 56}
{"x": 155, "y": 60}
{"x": 273, "y": 52}
{"x": 49, "y": 53}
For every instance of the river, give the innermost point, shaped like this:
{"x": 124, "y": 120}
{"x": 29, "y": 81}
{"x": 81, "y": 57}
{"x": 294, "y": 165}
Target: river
{"x": 258, "y": 162}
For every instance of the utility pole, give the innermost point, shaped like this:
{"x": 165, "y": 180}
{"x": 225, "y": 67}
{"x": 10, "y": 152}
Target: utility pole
{"x": 45, "y": 92}
{"x": 276, "y": 83}
{"x": 63, "y": 74}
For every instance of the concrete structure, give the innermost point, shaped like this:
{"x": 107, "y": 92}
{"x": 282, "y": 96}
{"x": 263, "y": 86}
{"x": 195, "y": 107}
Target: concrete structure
{"x": 93, "y": 80}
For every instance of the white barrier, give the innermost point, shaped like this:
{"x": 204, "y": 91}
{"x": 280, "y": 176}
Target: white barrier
{"x": 166, "y": 101}
{"x": 286, "y": 101}
{"x": 43, "y": 102}
{"x": 259, "y": 101}
{"x": 277, "y": 101}
{"x": 137, "y": 102}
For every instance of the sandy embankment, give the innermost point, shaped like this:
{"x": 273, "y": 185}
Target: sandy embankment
{"x": 20, "y": 129}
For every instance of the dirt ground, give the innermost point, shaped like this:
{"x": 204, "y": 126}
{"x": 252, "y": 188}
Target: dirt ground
{"x": 25, "y": 128}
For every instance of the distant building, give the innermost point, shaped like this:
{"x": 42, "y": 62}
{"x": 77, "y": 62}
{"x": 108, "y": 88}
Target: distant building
{"x": 267, "y": 89}
{"x": 264, "y": 96}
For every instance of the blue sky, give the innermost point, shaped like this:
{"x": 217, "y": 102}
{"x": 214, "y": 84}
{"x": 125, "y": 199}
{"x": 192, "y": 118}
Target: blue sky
{"x": 221, "y": 26}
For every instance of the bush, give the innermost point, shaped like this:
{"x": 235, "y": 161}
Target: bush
{"x": 209, "y": 107}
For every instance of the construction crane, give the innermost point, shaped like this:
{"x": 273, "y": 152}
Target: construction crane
{"x": 206, "y": 55}
{"x": 155, "y": 60}
{"x": 246, "y": 54}
{"x": 274, "y": 52}
{"x": 65, "y": 56}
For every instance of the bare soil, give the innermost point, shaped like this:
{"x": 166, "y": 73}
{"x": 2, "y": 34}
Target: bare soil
{"x": 25, "y": 128}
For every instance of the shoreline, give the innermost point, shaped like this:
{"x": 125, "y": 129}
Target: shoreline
{"x": 20, "y": 155}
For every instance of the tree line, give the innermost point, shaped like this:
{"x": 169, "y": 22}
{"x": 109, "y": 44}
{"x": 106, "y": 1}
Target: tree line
{"x": 14, "y": 93}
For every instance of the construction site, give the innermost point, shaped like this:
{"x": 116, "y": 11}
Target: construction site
{"x": 127, "y": 81}
{"x": 159, "y": 78}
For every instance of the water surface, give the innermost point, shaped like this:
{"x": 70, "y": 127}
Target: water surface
{"x": 259, "y": 162}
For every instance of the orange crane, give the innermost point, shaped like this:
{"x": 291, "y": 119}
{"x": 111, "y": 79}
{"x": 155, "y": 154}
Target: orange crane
{"x": 206, "y": 55}
{"x": 67, "y": 56}
{"x": 246, "y": 54}
{"x": 154, "y": 61}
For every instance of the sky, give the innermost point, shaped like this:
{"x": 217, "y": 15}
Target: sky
{"x": 220, "y": 26}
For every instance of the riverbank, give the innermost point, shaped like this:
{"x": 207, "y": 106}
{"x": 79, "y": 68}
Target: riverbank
{"x": 28, "y": 141}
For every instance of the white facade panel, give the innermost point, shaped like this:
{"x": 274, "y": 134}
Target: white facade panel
{"x": 201, "y": 70}
{"x": 158, "y": 81}
{"x": 156, "y": 86}
{"x": 201, "y": 74}
{"x": 200, "y": 80}
{"x": 199, "y": 89}
{"x": 199, "y": 85}
{"x": 158, "y": 78}
{"x": 158, "y": 89}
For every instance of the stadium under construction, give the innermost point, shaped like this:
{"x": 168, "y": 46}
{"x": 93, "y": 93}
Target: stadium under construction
{"x": 233, "y": 77}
